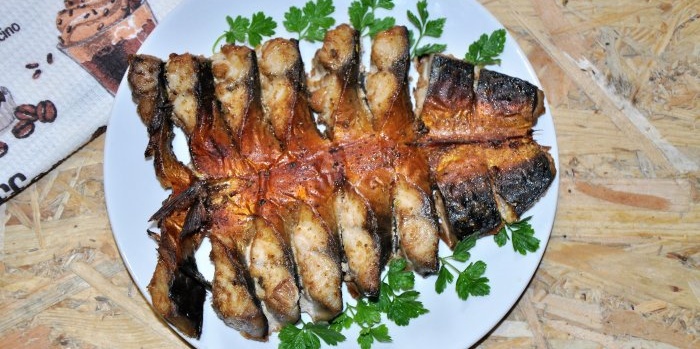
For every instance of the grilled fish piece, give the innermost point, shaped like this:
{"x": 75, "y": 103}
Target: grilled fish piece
{"x": 263, "y": 249}
{"x": 478, "y": 136}
{"x": 289, "y": 209}
{"x": 175, "y": 288}
{"x": 392, "y": 111}
{"x": 338, "y": 98}
{"x": 302, "y": 183}
{"x": 453, "y": 108}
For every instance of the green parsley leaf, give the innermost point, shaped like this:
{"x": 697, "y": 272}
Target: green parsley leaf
{"x": 363, "y": 18}
{"x": 312, "y": 21}
{"x": 428, "y": 49}
{"x": 385, "y": 294}
{"x": 501, "y": 238}
{"x": 328, "y": 335}
{"x": 485, "y": 50}
{"x": 461, "y": 251}
{"x": 523, "y": 237}
{"x": 380, "y": 25}
{"x": 432, "y": 28}
{"x": 444, "y": 277}
{"x": 292, "y": 337}
{"x": 381, "y": 334}
{"x": 471, "y": 282}
{"x": 369, "y": 334}
{"x": 405, "y": 307}
{"x": 341, "y": 322}
{"x": 253, "y": 29}
{"x": 365, "y": 339}
{"x": 399, "y": 278}
{"x": 367, "y": 313}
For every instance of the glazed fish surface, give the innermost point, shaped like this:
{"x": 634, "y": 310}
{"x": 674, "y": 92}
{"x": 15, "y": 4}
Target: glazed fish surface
{"x": 293, "y": 212}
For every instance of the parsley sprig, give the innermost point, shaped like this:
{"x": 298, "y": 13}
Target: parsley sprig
{"x": 470, "y": 281}
{"x": 368, "y": 317}
{"x": 363, "y": 18}
{"x": 485, "y": 50}
{"x": 432, "y": 28}
{"x": 243, "y": 28}
{"x": 312, "y": 21}
{"x": 397, "y": 300}
{"x": 308, "y": 336}
{"x": 521, "y": 234}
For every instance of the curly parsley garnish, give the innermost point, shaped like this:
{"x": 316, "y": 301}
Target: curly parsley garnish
{"x": 363, "y": 18}
{"x": 521, "y": 234}
{"x": 243, "y": 28}
{"x": 312, "y": 21}
{"x": 485, "y": 50}
{"x": 432, "y": 28}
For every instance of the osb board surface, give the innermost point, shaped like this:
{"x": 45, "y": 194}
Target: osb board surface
{"x": 621, "y": 269}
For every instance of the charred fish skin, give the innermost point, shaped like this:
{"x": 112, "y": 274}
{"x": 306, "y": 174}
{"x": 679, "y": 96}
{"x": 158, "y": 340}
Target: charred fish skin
{"x": 507, "y": 103}
{"x": 478, "y": 135}
{"x": 176, "y": 294}
{"x": 463, "y": 180}
{"x": 445, "y": 98}
{"x": 302, "y": 182}
{"x": 413, "y": 212}
{"x": 459, "y": 103}
{"x": 521, "y": 171}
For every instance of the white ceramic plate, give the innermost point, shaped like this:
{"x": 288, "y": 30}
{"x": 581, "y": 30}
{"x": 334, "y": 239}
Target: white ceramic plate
{"x": 133, "y": 193}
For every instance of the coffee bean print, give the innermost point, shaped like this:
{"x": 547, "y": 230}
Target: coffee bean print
{"x": 46, "y": 111}
{"x": 23, "y": 129}
{"x": 26, "y": 112}
{"x": 37, "y": 74}
{"x": 32, "y": 65}
{"x": 49, "y": 58}
{"x": 3, "y": 148}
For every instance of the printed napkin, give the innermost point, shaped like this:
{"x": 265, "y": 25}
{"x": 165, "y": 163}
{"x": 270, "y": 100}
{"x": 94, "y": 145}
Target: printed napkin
{"x": 62, "y": 64}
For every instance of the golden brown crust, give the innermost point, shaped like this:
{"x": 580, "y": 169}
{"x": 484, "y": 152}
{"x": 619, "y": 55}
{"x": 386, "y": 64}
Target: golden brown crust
{"x": 291, "y": 212}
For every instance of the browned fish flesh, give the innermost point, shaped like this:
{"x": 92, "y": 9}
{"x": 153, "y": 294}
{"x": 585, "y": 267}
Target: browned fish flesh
{"x": 292, "y": 212}
{"x": 176, "y": 288}
{"x": 478, "y": 135}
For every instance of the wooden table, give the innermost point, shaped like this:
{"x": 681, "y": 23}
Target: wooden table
{"x": 621, "y": 268}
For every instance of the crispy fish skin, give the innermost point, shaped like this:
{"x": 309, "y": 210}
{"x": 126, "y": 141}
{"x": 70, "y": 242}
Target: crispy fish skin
{"x": 462, "y": 177}
{"x": 176, "y": 293}
{"x": 521, "y": 171}
{"x": 458, "y": 103}
{"x": 413, "y": 212}
{"x": 478, "y": 135}
{"x": 338, "y": 98}
{"x": 484, "y": 185}
{"x": 303, "y": 181}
